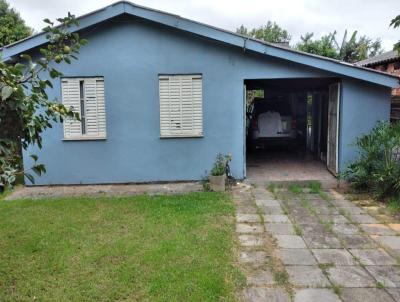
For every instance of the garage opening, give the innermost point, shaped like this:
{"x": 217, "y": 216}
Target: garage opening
{"x": 292, "y": 129}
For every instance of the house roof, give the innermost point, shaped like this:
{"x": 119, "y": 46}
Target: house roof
{"x": 385, "y": 57}
{"x": 214, "y": 33}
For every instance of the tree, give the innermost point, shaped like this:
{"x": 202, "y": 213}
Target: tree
{"x": 12, "y": 27}
{"x": 25, "y": 109}
{"x": 323, "y": 47}
{"x": 396, "y": 23}
{"x": 271, "y": 32}
{"x": 349, "y": 50}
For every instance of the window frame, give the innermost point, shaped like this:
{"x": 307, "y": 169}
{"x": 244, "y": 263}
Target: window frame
{"x": 82, "y": 98}
{"x": 177, "y": 135}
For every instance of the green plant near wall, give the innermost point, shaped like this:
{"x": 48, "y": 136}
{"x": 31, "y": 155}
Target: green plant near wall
{"x": 377, "y": 168}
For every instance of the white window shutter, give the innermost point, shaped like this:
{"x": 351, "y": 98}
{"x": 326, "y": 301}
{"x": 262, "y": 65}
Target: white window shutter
{"x": 71, "y": 100}
{"x": 94, "y": 107}
{"x": 181, "y": 113}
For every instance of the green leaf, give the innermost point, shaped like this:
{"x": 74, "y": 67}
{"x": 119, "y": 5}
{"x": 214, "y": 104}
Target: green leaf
{"x": 6, "y": 92}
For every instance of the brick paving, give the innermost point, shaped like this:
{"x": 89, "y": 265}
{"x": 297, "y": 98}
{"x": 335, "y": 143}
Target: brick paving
{"x": 329, "y": 248}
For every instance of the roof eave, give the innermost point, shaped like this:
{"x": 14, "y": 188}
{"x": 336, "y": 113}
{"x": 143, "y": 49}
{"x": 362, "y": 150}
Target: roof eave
{"x": 215, "y": 34}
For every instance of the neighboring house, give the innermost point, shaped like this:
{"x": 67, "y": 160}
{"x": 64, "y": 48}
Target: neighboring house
{"x": 387, "y": 62}
{"x": 161, "y": 95}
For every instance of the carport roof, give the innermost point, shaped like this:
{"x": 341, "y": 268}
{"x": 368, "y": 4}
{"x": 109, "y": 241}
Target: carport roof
{"x": 214, "y": 33}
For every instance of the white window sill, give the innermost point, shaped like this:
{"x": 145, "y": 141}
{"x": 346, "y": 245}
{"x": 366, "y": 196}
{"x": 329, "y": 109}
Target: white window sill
{"x": 86, "y": 138}
{"x": 181, "y": 136}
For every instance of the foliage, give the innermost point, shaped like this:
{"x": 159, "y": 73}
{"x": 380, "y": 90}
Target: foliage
{"x": 25, "y": 109}
{"x": 396, "y": 23}
{"x": 349, "y": 50}
{"x": 12, "y": 27}
{"x": 271, "y": 32}
{"x": 220, "y": 165}
{"x": 315, "y": 187}
{"x": 377, "y": 168}
{"x": 140, "y": 248}
{"x": 295, "y": 188}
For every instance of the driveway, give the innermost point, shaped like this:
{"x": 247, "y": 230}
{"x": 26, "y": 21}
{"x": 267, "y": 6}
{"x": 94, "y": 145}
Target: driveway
{"x": 308, "y": 247}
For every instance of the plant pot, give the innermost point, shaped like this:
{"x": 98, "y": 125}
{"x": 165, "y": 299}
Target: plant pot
{"x": 217, "y": 183}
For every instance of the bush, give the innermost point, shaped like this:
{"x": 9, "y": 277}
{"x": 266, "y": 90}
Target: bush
{"x": 377, "y": 168}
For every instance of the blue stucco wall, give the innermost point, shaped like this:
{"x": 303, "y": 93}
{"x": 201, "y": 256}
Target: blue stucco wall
{"x": 130, "y": 55}
{"x": 362, "y": 105}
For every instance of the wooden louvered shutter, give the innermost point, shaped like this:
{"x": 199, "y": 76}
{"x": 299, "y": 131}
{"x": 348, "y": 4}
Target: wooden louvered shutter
{"x": 95, "y": 117}
{"x": 181, "y": 113}
{"x": 71, "y": 100}
{"x": 93, "y": 107}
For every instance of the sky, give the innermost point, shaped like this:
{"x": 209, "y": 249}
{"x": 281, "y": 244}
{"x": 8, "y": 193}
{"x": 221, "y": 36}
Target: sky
{"x": 369, "y": 17}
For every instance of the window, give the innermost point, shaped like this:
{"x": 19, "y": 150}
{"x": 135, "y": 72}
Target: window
{"x": 85, "y": 96}
{"x": 181, "y": 113}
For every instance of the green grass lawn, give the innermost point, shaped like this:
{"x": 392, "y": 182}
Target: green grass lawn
{"x": 163, "y": 248}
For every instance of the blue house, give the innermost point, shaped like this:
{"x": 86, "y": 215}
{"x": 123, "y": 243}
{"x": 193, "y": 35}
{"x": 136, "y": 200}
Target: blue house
{"x": 161, "y": 95}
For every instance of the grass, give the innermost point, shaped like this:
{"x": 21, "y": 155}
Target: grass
{"x": 162, "y": 248}
{"x": 315, "y": 187}
{"x": 281, "y": 277}
{"x": 295, "y": 189}
{"x": 271, "y": 187}
{"x": 393, "y": 206}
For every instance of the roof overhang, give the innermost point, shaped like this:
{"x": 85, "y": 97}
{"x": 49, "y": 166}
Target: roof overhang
{"x": 210, "y": 32}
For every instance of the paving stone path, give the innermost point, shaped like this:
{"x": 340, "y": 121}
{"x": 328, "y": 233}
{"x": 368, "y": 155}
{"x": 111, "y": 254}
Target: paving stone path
{"x": 314, "y": 247}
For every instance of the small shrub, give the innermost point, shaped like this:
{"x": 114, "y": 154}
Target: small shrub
{"x": 377, "y": 168}
{"x": 221, "y": 164}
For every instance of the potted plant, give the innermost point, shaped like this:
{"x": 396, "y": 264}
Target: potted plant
{"x": 217, "y": 176}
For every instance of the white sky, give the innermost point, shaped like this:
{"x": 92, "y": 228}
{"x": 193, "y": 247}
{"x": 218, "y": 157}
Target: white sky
{"x": 369, "y": 17}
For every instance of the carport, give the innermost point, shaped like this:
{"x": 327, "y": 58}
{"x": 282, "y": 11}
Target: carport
{"x": 306, "y": 147}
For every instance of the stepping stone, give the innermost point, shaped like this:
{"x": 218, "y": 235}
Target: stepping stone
{"x": 389, "y": 276}
{"x": 354, "y": 210}
{"x": 248, "y": 218}
{"x": 253, "y": 257}
{"x": 326, "y": 210}
{"x": 365, "y": 295}
{"x": 276, "y": 218}
{"x": 357, "y": 241}
{"x": 290, "y": 242}
{"x": 377, "y": 229}
{"x": 280, "y": 228}
{"x": 342, "y": 203}
{"x": 313, "y": 229}
{"x": 272, "y": 210}
{"x": 262, "y": 294}
{"x": 334, "y": 218}
{"x": 249, "y": 228}
{"x": 315, "y": 295}
{"x": 246, "y": 209}
{"x": 267, "y": 203}
{"x": 395, "y": 293}
{"x": 373, "y": 257}
{"x": 250, "y": 240}
{"x": 392, "y": 242}
{"x": 351, "y": 276}
{"x": 321, "y": 241}
{"x": 260, "y": 278}
{"x": 395, "y": 226}
{"x": 363, "y": 218}
{"x": 345, "y": 229}
{"x": 335, "y": 256}
{"x": 296, "y": 257}
{"x": 307, "y": 276}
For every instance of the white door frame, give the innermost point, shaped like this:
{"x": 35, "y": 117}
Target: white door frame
{"x": 337, "y": 129}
